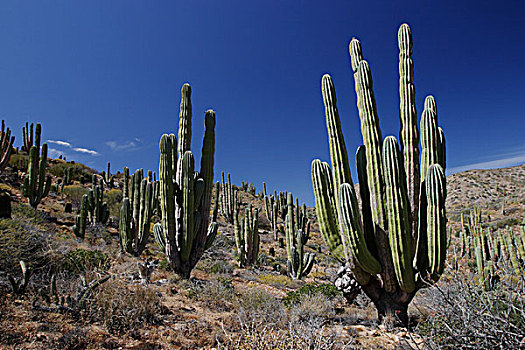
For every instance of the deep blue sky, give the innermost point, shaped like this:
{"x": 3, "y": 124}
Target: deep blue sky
{"x": 106, "y": 76}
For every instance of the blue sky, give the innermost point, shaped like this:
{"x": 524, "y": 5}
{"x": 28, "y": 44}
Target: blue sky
{"x": 105, "y": 78}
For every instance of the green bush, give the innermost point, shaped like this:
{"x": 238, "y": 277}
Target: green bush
{"x": 75, "y": 193}
{"x": 19, "y": 161}
{"x": 79, "y": 261}
{"x": 79, "y": 173}
{"x": 21, "y": 241}
{"x": 114, "y": 198}
{"x": 294, "y": 297}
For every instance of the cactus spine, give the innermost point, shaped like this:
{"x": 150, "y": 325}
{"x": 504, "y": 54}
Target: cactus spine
{"x": 186, "y": 194}
{"x": 247, "y": 236}
{"x": 135, "y": 215}
{"x": 400, "y": 232}
{"x": 6, "y": 146}
{"x": 36, "y": 185}
{"x": 297, "y": 229}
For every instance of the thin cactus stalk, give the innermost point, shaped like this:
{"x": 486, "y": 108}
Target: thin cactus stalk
{"x": 107, "y": 177}
{"x": 20, "y": 286}
{"x": 97, "y": 208}
{"x": 31, "y": 137}
{"x": 246, "y": 230}
{"x": 79, "y": 229}
{"x": 186, "y": 194}
{"x": 229, "y": 199}
{"x": 270, "y": 207}
{"x": 297, "y": 229}
{"x": 6, "y": 146}
{"x": 396, "y": 243}
{"x": 125, "y": 191}
{"x": 36, "y": 184}
{"x": 67, "y": 179}
{"x": 136, "y": 213}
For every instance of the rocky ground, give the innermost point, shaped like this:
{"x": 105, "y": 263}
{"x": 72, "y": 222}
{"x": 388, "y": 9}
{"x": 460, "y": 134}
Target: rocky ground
{"x": 222, "y": 306}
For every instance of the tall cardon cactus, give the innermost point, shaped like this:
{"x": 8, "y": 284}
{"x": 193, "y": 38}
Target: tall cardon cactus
{"x": 297, "y": 229}
{"x": 136, "y": 213}
{"x": 186, "y": 194}
{"x": 396, "y": 242}
{"x": 247, "y": 235}
{"x": 6, "y": 145}
{"x": 36, "y": 184}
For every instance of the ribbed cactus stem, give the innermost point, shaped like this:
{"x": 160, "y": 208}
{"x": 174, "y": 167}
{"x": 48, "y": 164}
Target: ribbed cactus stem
{"x": 79, "y": 229}
{"x": 400, "y": 232}
{"x": 397, "y": 215}
{"x": 409, "y": 135}
{"x": 36, "y": 185}
{"x": 6, "y": 146}
{"x": 186, "y": 194}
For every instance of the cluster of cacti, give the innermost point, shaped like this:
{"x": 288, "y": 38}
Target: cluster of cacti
{"x": 299, "y": 263}
{"x": 271, "y": 206}
{"x": 247, "y": 235}
{"x": 79, "y": 229}
{"x": 248, "y": 188}
{"x": 491, "y": 251}
{"x": 186, "y": 194}
{"x": 36, "y": 185}
{"x": 67, "y": 179}
{"x": 31, "y": 138}
{"x": 276, "y": 206}
{"x": 229, "y": 199}
{"x": 107, "y": 177}
{"x": 136, "y": 213}
{"x": 97, "y": 208}
{"x": 6, "y": 146}
{"x": 396, "y": 244}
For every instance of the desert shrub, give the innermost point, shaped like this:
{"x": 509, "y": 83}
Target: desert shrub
{"x": 114, "y": 198}
{"x": 279, "y": 281}
{"x": 19, "y": 161}
{"x": 327, "y": 290}
{"x": 75, "y": 193}
{"x": 121, "y": 308}
{"x": 79, "y": 261}
{"x": 218, "y": 267}
{"x": 262, "y": 322}
{"x": 218, "y": 293}
{"x": 28, "y": 215}
{"x": 20, "y": 241}
{"x": 79, "y": 172}
{"x": 462, "y": 315}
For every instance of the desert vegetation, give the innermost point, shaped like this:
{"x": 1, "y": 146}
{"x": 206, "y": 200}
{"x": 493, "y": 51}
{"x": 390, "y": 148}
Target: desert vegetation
{"x": 406, "y": 259}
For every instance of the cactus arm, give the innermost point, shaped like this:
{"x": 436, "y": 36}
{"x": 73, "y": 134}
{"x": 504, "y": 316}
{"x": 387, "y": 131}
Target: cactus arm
{"x": 409, "y": 136}
{"x": 338, "y": 153}
{"x": 167, "y": 192}
{"x": 352, "y": 230}
{"x": 436, "y": 220}
{"x": 397, "y": 215}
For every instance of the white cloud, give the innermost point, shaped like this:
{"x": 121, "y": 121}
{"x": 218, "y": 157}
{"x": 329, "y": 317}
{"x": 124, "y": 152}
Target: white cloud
{"x": 492, "y": 164}
{"x": 54, "y": 153}
{"x": 123, "y": 146}
{"x": 85, "y": 150}
{"x": 60, "y": 143}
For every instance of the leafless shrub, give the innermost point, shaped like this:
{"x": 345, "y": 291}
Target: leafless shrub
{"x": 463, "y": 315}
{"x": 121, "y": 307}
